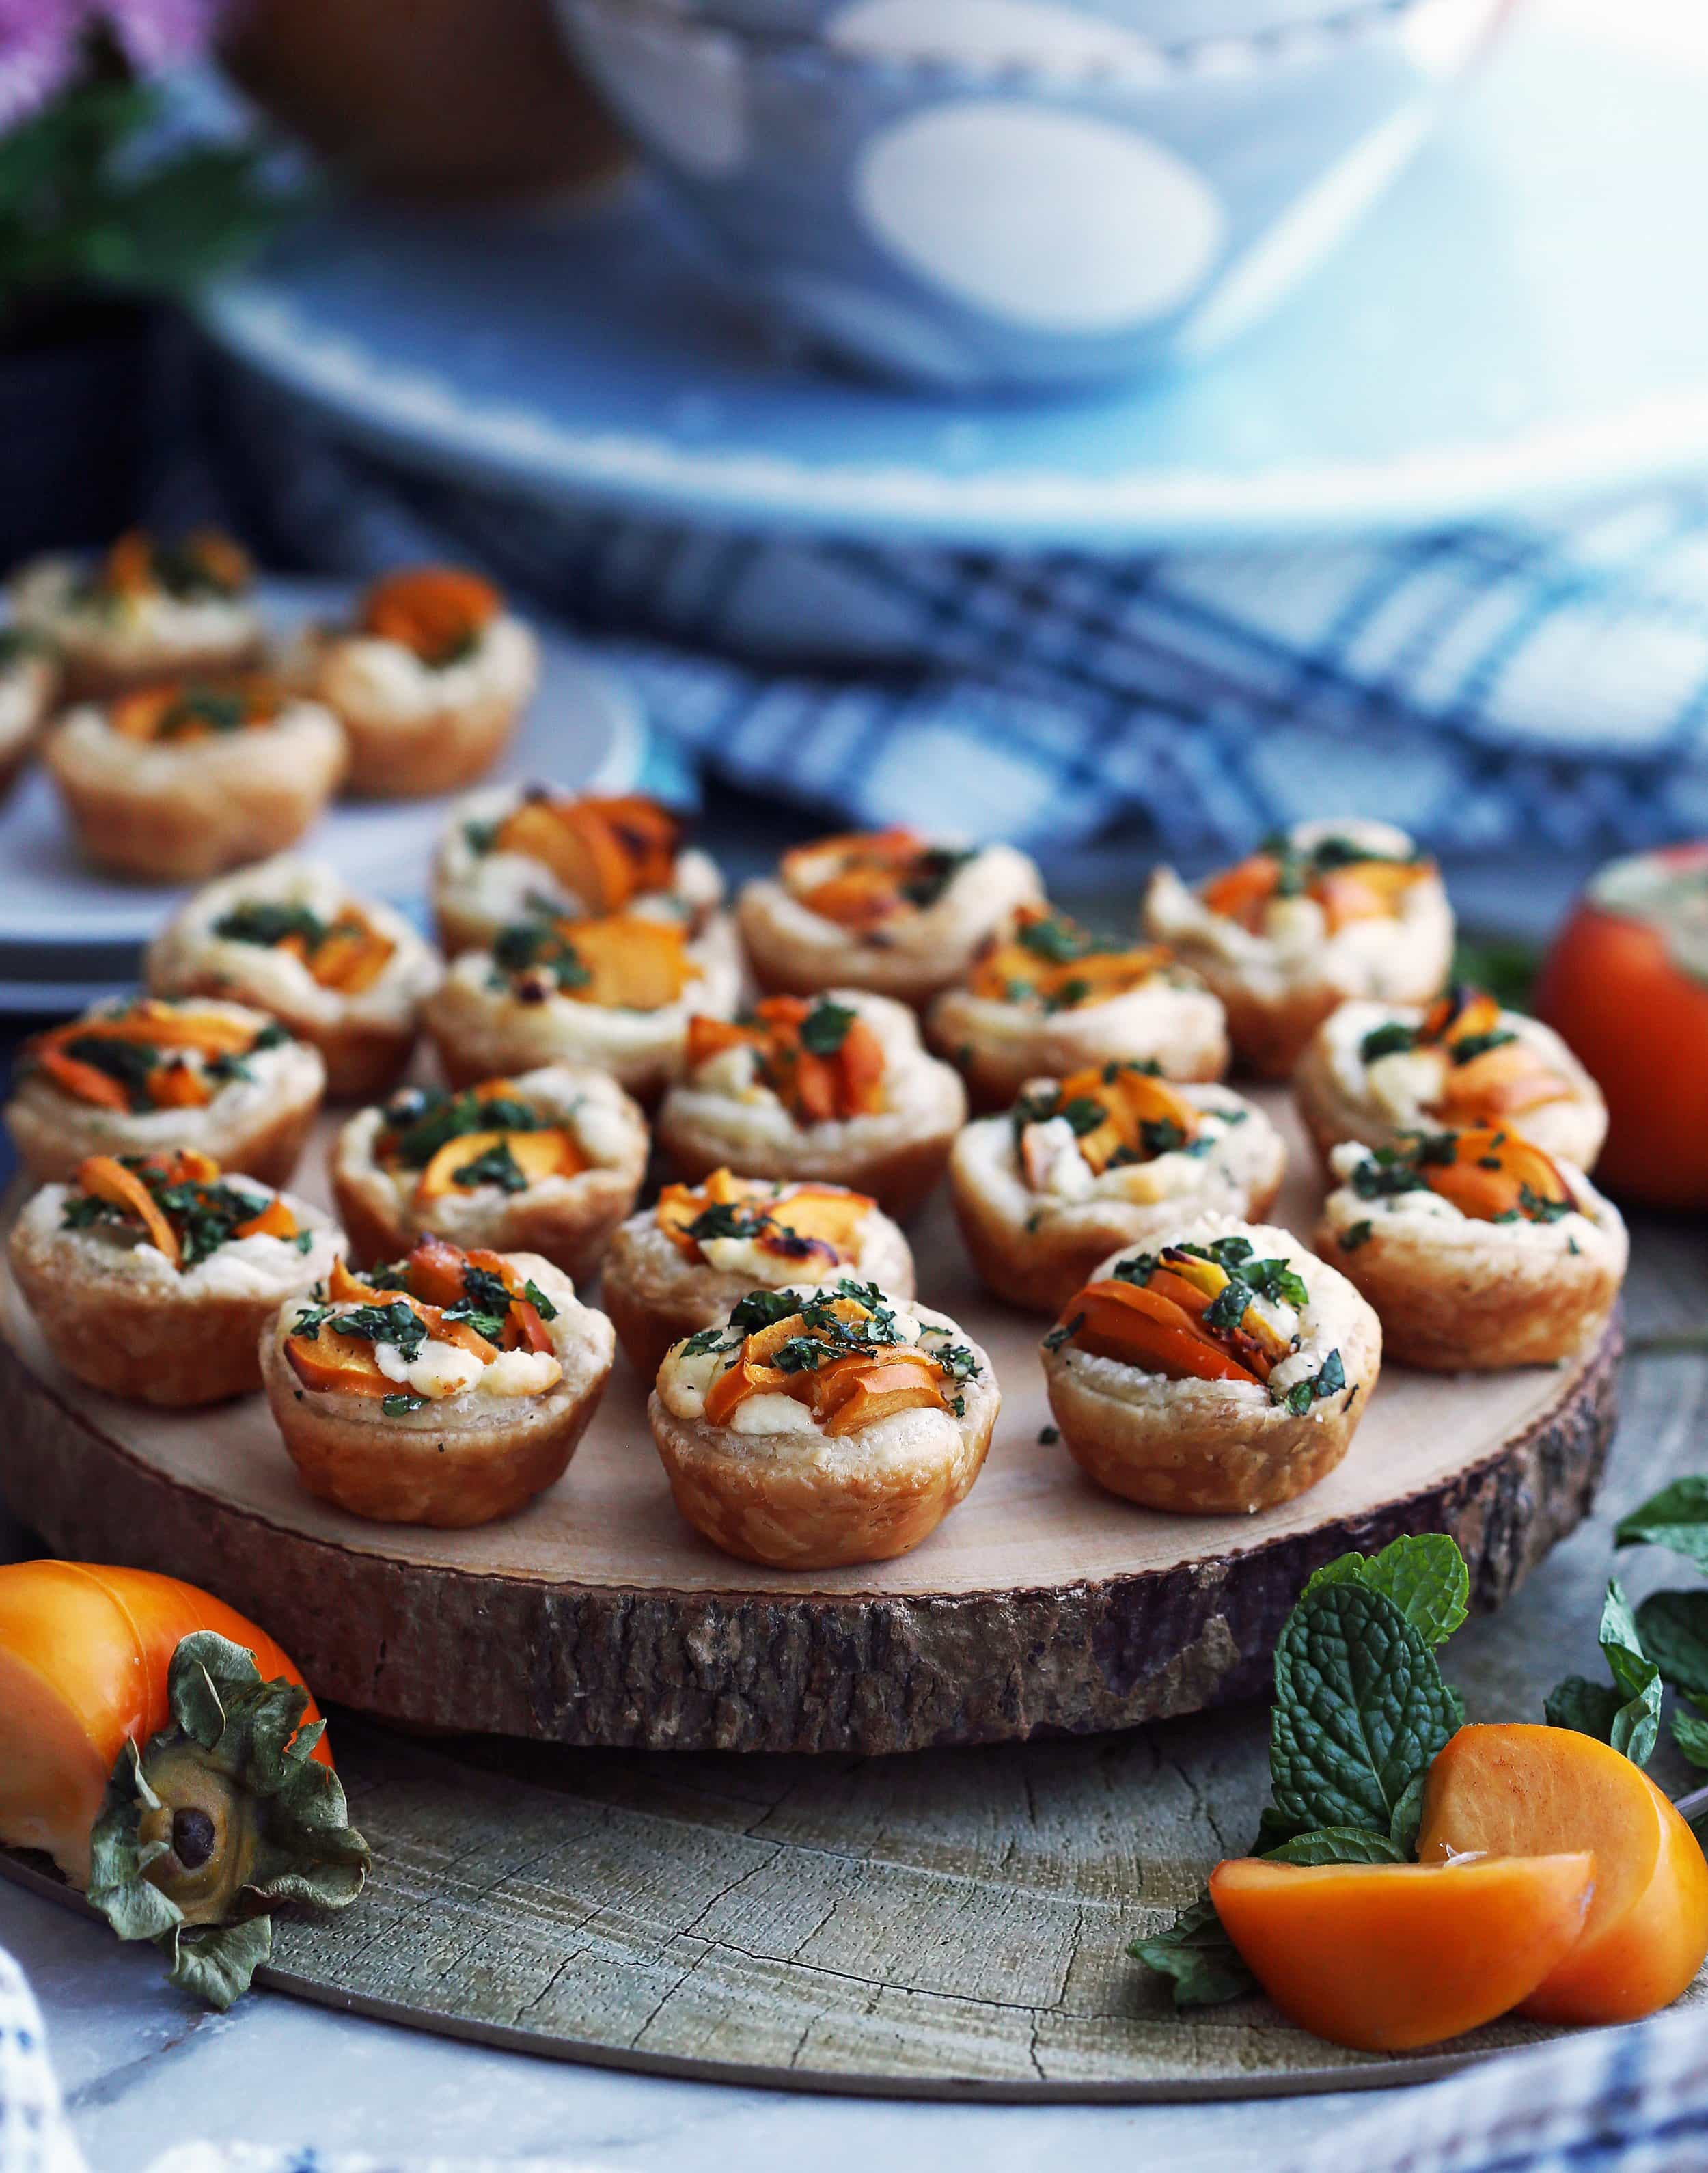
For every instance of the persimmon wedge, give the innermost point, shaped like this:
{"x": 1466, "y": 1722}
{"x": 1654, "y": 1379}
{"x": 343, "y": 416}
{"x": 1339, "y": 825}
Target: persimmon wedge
{"x": 1386, "y": 1957}
{"x": 1524, "y": 1790}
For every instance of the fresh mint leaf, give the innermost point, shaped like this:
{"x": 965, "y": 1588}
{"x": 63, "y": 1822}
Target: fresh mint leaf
{"x": 1676, "y": 1517}
{"x": 1407, "y": 1812}
{"x": 824, "y": 1027}
{"x": 1628, "y": 1714}
{"x": 1424, "y": 1576}
{"x": 1360, "y": 1708}
{"x": 1199, "y": 1956}
{"x": 1690, "y": 1732}
{"x": 1586, "y": 1708}
{"x": 1674, "y": 1627}
{"x": 1337, "y": 1845}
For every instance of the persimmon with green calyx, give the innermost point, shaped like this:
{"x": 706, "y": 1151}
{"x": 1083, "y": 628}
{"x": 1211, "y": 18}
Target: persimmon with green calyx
{"x": 141, "y": 1748}
{"x": 1387, "y": 1957}
{"x": 1524, "y": 1790}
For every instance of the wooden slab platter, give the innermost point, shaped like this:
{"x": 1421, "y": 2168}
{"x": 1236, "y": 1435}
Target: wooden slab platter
{"x": 597, "y": 1617}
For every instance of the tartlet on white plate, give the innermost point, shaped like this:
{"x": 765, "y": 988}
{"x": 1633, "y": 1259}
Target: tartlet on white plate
{"x": 549, "y": 1161}
{"x": 347, "y": 973}
{"x": 816, "y": 1428}
{"x": 835, "y": 1088}
{"x": 683, "y": 1264}
{"x": 1326, "y": 911}
{"x": 146, "y": 610}
{"x": 888, "y": 910}
{"x": 28, "y": 682}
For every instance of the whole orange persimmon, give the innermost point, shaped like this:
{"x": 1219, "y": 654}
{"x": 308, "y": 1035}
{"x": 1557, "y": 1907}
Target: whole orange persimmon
{"x": 1626, "y": 985}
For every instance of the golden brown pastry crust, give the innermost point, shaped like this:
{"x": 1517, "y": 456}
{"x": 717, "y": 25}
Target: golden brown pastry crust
{"x": 1215, "y": 1447}
{"x": 85, "y": 678}
{"x": 451, "y": 1474}
{"x": 1571, "y": 1129}
{"x": 996, "y": 1047}
{"x": 807, "y": 1503}
{"x": 193, "y": 812}
{"x": 421, "y": 756}
{"x": 149, "y": 1342}
{"x": 569, "y": 1222}
{"x": 655, "y": 1297}
{"x": 796, "y": 952}
{"x": 1039, "y": 1267}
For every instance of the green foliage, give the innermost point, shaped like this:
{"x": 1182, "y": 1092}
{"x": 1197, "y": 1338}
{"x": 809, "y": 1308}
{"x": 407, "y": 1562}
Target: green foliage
{"x": 1426, "y": 1577}
{"x": 1676, "y": 1517}
{"x": 1626, "y": 1713}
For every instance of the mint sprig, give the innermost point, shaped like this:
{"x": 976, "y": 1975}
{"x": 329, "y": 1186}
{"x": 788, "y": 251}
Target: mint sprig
{"x": 1625, "y": 1712}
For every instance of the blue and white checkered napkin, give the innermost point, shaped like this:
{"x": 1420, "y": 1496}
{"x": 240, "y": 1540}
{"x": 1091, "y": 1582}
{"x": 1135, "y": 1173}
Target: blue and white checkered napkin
{"x": 1624, "y": 2102}
{"x": 1542, "y": 683}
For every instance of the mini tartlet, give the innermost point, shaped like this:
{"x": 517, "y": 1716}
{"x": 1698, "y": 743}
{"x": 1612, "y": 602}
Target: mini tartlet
{"x": 146, "y": 610}
{"x": 1324, "y": 911}
{"x": 1477, "y": 1249}
{"x": 682, "y": 1265}
{"x": 1045, "y": 997}
{"x": 615, "y": 992}
{"x": 448, "y": 1388}
{"x": 818, "y": 1428}
{"x": 28, "y": 680}
{"x": 1110, "y": 1156}
{"x": 549, "y": 1163}
{"x": 835, "y": 1088}
{"x": 348, "y": 974}
{"x": 1373, "y": 1071}
{"x": 152, "y": 1275}
{"x": 178, "y": 781}
{"x": 428, "y": 683}
{"x": 883, "y": 909}
{"x": 1223, "y": 1373}
{"x": 145, "y": 1073}
{"x": 517, "y": 852}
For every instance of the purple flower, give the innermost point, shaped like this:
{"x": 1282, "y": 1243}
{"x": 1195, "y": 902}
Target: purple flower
{"x": 40, "y": 46}
{"x": 157, "y": 34}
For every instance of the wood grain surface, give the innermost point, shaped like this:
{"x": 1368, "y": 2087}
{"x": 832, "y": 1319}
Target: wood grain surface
{"x": 597, "y": 1616}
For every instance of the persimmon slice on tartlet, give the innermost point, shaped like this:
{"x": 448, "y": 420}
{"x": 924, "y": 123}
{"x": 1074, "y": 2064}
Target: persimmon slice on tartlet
{"x": 883, "y": 909}
{"x": 517, "y": 852}
{"x": 428, "y": 682}
{"x": 549, "y": 1163}
{"x": 447, "y": 1389}
{"x": 152, "y": 1275}
{"x": 1110, "y": 1156}
{"x": 1323, "y": 912}
{"x": 835, "y": 1088}
{"x": 615, "y": 992}
{"x": 1045, "y": 997}
{"x": 1477, "y": 1249}
{"x": 145, "y": 1073}
{"x": 681, "y": 1266}
{"x": 347, "y": 973}
{"x": 1373, "y": 1071}
{"x": 815, "y": 1428}
{"x": 181, "y": 780}
{"x": 1222, "y": 1372}
{"x": 29, "y": 680}
{"x": 146, "y": 610}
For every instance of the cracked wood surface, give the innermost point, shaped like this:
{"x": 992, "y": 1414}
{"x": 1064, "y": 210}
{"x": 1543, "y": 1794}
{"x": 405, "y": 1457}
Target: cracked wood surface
{"x": 597, "y": 1617}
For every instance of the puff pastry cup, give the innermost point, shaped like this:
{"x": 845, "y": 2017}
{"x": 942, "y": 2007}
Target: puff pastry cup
{"x": 178, "y": 781}
{"x": 1326, "y": 911}
{"x": 684, "y": 1264}
{"x": 517, "y": 852}
{"x": 1044, "y": 998}
{"x": 888, "y": 910}
{"x": 448, "y": 1388}
{"x": 818, "y": 1428}
{"x": 1108, "y": 1156}
{"x": 1221, "y": 1373}
{"x": 614, "y": 993}
{"x": 1373, "y": 1071}
{"x": 428, "y": 683}
{"x": 1477, "y": 1249}
{"x": 151, "y": 1276}
{"x": 28, "y": 680}
{"x": 346, "y": 973}
{"x": 835, "y": 1088}
{"x": 145, "y": 1073}
{"x": 549, "y": 1163}
{"x": 146, "y": 610}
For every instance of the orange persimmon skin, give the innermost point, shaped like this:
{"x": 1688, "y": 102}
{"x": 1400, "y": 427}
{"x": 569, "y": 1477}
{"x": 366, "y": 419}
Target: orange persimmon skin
{"x": 1528, "y": 1790}
{"x": 1638, "y": 1022}
{"x": 84, "y": 1651}
{"x": 1386, "y": 1957}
